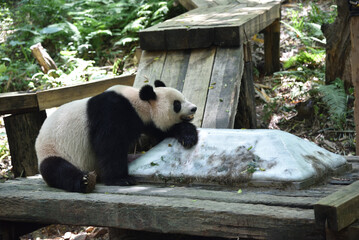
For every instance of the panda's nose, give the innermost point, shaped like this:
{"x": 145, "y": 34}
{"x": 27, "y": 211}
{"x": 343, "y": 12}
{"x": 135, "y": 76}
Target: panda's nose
{"x": 194, "y": 109}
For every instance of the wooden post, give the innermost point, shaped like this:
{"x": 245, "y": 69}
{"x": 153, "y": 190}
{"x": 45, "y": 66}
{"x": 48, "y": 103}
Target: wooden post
{"x": 22, "y": 130}
{"x": 43, "y": 58}
{"x": 246, "y": 112}
{"x": 354, "y": 35}
{"x": 271, "y": 47}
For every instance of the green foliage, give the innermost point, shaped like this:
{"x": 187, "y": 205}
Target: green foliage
{"x": 310, "y": 58}
{"x": 98, "y": 31}
{"x": 335, "y": 98}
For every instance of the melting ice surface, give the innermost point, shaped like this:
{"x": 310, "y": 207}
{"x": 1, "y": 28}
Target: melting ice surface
{"x": 233, "y": 155}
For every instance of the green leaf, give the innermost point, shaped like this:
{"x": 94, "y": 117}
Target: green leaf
{"x": 2, "y": 68}
{"x": 53, "y": 28}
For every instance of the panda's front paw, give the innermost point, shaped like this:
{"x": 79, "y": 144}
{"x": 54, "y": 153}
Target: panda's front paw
{"x": 188, "y": 141}
{"x": 88, "y": 182}
{"x": 187, "y": 135}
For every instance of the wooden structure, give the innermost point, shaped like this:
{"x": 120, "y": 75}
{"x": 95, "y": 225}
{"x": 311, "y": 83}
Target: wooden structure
{"x": 217, "y": 212}
{"x": 207, "y": 58}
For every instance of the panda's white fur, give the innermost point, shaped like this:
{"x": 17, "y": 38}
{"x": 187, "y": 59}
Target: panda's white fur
{"x": 159, "y": 111}
{"x": 58, "y": 131}
{"x": 65, "y": 140}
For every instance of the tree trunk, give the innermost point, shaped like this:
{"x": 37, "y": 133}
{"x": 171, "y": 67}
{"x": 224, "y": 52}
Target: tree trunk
{"x": 338, "y": 47}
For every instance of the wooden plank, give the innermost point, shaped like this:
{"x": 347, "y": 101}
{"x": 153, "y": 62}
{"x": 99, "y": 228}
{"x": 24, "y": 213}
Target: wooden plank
{"x": 339, "y": 209}
{"x": 175, "y": 68}
{"x": 223, "y": 25}
{"x": 222, "y": 100}
{"x": 16, "y": 102}
{"x": 197, "y": 80}
{"x": 22, "y": 130}
{"x": 192, "y": 4}
{"x": 58, "y": 96}
{"x": 150, "y": 68}
{"x": 230, "y": 195}
{"x": 246, "y": 116}
{"x": 159, "y": 214}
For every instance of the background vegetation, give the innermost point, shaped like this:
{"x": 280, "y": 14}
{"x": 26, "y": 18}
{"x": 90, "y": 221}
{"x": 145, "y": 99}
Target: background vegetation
{"x": 82, "y": 36}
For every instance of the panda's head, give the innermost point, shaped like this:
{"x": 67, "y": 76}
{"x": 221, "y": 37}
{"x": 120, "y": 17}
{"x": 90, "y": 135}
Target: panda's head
{"x": 168, "y": 105}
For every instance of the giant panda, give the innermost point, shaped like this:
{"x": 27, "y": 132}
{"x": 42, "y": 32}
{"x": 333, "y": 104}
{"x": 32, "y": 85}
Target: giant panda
{"x": 89, "y": 138}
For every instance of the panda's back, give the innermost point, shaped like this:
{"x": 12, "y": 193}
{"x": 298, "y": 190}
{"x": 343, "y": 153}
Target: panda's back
{"x": 65, "y": 134}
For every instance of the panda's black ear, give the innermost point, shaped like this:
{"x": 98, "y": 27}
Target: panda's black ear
{"x": 159, "y": 83}
{"x": 147, "y": 93}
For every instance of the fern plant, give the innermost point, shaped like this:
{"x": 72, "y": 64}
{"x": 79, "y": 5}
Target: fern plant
{"x": 335, "y": 98}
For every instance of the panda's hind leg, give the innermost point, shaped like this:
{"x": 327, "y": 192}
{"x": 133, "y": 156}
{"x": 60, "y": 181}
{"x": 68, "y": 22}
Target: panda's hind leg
{"x": 59, "y": 173}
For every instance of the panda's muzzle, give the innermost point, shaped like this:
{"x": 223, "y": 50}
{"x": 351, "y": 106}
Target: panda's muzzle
{"x": 189, "y": 117}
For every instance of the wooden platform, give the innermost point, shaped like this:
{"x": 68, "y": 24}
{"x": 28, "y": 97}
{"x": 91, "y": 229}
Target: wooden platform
{"x": 256, "y": 213}
{"x": 225, "y": 24}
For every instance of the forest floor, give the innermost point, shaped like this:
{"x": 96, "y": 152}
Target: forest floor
{"x": 276, "y": 109}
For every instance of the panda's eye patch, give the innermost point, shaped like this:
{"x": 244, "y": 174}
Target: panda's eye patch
{"x": 177, "y": 106}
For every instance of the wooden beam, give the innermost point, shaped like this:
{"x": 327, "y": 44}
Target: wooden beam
{"x": 354, "y": 36}
{"x": 15, "y": 102}
{"x": 58, "y": 96}
{"x": 179, "y": 214}
{"x": 339, "y": 209}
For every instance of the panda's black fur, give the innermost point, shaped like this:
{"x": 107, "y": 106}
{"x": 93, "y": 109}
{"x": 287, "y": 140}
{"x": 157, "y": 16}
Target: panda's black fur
{"x": 113, "y": 124}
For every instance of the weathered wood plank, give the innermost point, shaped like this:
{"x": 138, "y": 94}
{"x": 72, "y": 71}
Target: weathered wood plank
{"x": 197, "y": 80}
{"x": 160, "y": 214}
{"x": 230, "y": 195}
{"x": 222, "y": 100}
{"x": 58, "y": 96}
{"x": 17, "y": 102}
{"x": 246, "y": 111}
{"x": 339, "y": 209}
{"x": 192, "y": 4}
{"x": 175, "y": 68}
{"x": 223, "y": 25}
{"x": 150, "y": 68}
{"x": 22, "y": 130}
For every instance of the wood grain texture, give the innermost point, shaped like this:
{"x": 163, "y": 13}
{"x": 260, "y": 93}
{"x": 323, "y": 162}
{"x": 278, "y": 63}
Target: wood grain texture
{"x": 150, "y": 68}
{"x": 58, "y": 96}
{"x": 16, "y": 102}
{"x": 246, "y": 116}
{"x": 221, "y": 25}
{"x": 197, "y": 80}
{"x": 22, "y": 130}
{"x": 271, "y": 47}
{"x": 339, "y": 209}
{"x": 181, "y": 210}
{"x": 175, "y": 68}
{"x": 354, "y": 36}
{"x": 223, "y": 94}
{"x": 11, "y": 103}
